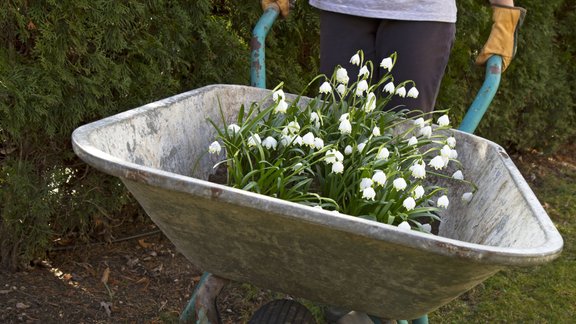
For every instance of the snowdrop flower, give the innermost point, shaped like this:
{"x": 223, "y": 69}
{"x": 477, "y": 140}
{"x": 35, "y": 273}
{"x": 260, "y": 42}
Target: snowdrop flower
{"x": 364, "y": 72}
{"x": 286, "y": 140}
{"x": 292, "y": 128}
{"x": 413, "y": 93}
{"x": 338, "y": 167}
{"x": 420, "y": 122}
{"x": 281, "y": 107}
{"x": 370, "y": 103}
{"x": 270, "y": 143}
{"x": 254, "y": 140}
{"x": 297, "y": 167}
{"x": 389, "y": 87}
{"x": 214, "y": 148}
{"x": 355, "y": 60}
{"x": 361, "y": 147}
{"x": 401, "y": 92}
{"x": 348, "y": 150}
{"x": 446, "y": 151}
{"x": 361, "y": 87}
{"x": 344, "y": 116}
{"x": 426, "y": 131}
{"x": 409, "y": 203}
{"x": 443, "y": 201}
{"x": 325, "y": 88}
{"x": 298, "y": 140}
{"x": 369, "y": 193}
{"x": 404, "y": 226}
{"x": 387, "y": 63}
{"x": 412, "y": 141}
{"x": 453, "y": 154}
{"x": 437, "y": 162}
{"x": 365, "y": 183}
{"x": 345, "y": 127}
{"x": 458, "y": 175}
{"x": 418, "y": 192}
{"x": 278, "y": 94}
{"x": 379, "y": 178}
{"x": 418, "y": 170}
{"x": 399, "y": 184}
{"x": 383, "y": 154}
{"x": 376, "y": 131}
{"x": 308, "y": 139}
{"x": 333, "y": 156}
{"x": 342, "y": 75}
{"x": 467, "y": 196}
{"x": 341, "y": 89}
{"x": 233, "y": 128}
{"x": 451, "y": 141}
{"x": 314, "y": 118}
{"x": 426, "y": 228}
{"x": 443, "y": 121}
{"x": 318, "y": 143}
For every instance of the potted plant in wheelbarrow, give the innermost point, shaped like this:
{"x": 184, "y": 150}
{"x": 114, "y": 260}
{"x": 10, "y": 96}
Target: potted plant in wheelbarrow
{"x": 334, "y": 199}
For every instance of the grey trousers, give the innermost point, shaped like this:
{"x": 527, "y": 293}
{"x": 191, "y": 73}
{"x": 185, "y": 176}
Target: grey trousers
{"x": 423, "y": 49}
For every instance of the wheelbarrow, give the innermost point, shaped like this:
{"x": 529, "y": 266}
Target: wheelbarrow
{"x": 157, "y": 150}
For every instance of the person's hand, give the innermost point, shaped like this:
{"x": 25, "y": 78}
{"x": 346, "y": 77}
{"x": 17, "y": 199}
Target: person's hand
{"x": 502, "y": 39}
{"x": 283, "y": 5}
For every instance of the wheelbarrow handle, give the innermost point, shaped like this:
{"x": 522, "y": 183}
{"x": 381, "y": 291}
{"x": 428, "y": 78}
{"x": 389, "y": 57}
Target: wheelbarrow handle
{"x": 257, "y": 46}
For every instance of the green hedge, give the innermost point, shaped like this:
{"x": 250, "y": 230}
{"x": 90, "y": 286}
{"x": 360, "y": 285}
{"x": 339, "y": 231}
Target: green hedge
{"x": 64, "y": 63}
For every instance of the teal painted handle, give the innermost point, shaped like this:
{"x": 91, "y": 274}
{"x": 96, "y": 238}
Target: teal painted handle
{"x": 257, "y": 46}
{"x": 485, "y": 95}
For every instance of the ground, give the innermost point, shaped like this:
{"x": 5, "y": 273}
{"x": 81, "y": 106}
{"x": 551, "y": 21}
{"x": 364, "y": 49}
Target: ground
{"x": 140, "y": 277}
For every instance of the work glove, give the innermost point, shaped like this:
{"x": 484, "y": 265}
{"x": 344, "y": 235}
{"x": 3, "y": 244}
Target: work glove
{"x": 283, "y": 5}
{"x": 502, "y": 39}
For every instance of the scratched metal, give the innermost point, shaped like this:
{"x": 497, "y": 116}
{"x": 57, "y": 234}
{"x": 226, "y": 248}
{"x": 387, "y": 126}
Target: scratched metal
{"x": 330, "y": 259}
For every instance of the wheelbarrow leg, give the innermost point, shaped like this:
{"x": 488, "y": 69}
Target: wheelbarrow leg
{"x": 201, "y": 308}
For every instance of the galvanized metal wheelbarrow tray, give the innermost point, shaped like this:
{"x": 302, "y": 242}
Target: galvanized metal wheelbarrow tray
{"x": 331, "y": 259}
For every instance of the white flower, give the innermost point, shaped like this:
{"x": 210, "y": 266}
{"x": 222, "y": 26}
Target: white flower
{"x": 370, "y": 103}
{"x": 445, "y": 151}
{"x": 348, "y": 150}
{"x": 451, "y": 141}
{"x": 401, "y": 92}
{"x": 387, "y": 63}
{"x": 355, "y": 60}
{"x": 409, "y": 203}
{"x": 426, "y": 228}
{"x": 443, "y": 121}
{"x": 254, "y": 140}
{"x": 418, "y": 170}
{"x": 318, "y": 143}
{"x": 325, "y": 88}
{"x": 453, "y": 154}
{"x": 281, "y": 107}
{"x": 314, "y": 118}
{"x": 383, "y": 154}
{"x": 308, "y": 139}
{"x": 467, "y": 196}
{"x": 376, "y": 131}
{"x": 404, "y": 226}
{"x": 297, "y": 167}
{"x": 292, "y": 128}
{"x": 342, "y": 75}
{"x": 368, "y": 193}
{"x": 412, "y": 141}
{"x": 365, "y": 183}
{"x": 361, "y": 147}
{"x": 400, "y": 184}
{"x": 361, "y": 87}
{"x": 379, "y": 178}
{"x": 389, "y": 87}
{"x": 270, "y": 142}
{"x": 345, "y": 127}
{"x": 233, "y": 128}
{"x": 341, "y": 89}
{"x": 214, "y": 148}
{"x": 413, "y": 93}
{"x": 333, "y": 156}
{"x": 278, "y": 94}
{"x": 338, "y": 167}
{"x": 458, "y": 175}
{"x": 443, "y": 202}
{"x": 344, "y": 117}
{"x": 418, "y": 192}
{"x": 364, "y": 72}
{"x": 420, "y": 122}
{"x": 286, "y": 140}
{"x": 437, "y": 162}
{"x": 426, "y": 131}
{"x": 298, "y": 140}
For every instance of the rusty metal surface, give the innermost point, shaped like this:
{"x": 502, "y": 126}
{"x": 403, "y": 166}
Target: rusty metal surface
{"x": 332, "y": 259}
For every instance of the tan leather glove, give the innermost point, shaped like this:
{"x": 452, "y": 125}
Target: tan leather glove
{"x": 502, "y": 39}
{"x": 283, "y": 5}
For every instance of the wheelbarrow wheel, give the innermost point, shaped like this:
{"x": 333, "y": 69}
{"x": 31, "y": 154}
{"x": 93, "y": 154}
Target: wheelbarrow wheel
{"x": 283, "y": 311}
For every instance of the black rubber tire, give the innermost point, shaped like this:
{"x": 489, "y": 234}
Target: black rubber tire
{"x": 282, "y": 311}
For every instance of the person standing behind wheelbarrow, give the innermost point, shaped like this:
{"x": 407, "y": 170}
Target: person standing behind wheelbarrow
{"x": 420, "y": 31}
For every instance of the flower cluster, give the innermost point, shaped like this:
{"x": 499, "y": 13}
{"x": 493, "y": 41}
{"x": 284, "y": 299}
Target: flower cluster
{"x": 343, "y": 151}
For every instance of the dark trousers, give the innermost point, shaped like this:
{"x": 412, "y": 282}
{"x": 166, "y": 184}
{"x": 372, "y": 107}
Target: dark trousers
{"x": 423, "y": 49}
